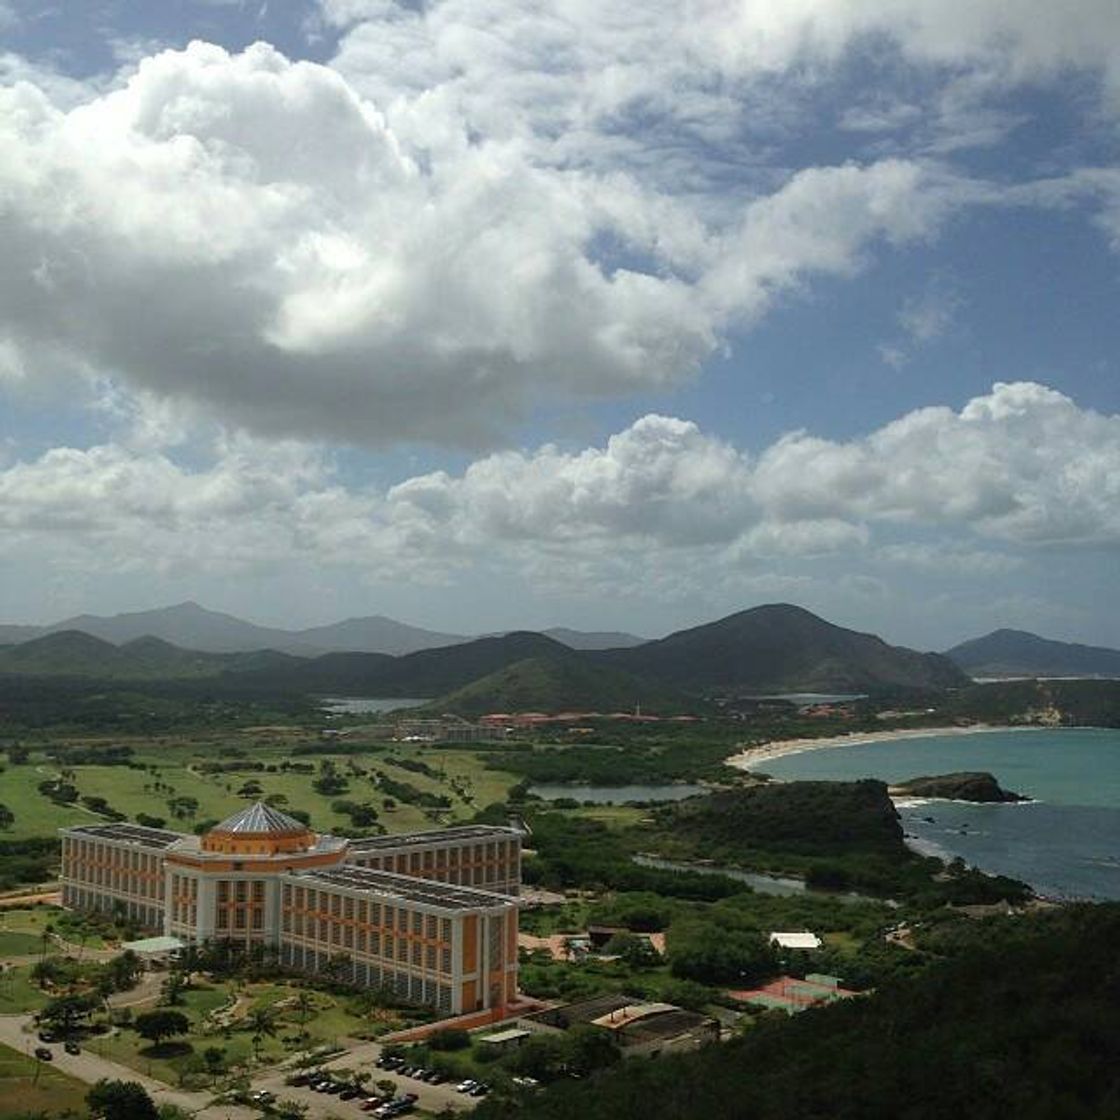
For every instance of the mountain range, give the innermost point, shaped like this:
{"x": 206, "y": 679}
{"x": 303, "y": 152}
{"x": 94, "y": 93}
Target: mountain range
{"x": 195, "y": 628}
{"x": 774, "y": 648}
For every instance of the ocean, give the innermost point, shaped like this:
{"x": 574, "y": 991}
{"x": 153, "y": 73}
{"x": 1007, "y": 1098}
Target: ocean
{"x": 1065, "y": 843}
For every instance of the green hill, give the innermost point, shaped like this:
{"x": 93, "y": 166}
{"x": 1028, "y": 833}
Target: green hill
{"x": 72, "y": 653}
{"x": 554, "y": 684}
{"x": 783, "y": 648}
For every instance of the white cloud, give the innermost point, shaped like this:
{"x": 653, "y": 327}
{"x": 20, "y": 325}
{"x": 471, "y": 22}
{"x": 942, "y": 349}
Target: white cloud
{"x": 660, "y": 503}
{"x": 250, "y": 234}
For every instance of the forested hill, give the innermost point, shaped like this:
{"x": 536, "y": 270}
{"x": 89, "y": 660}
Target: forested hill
{"x": 783, "y": 648}
{"x": 552, "y": 684}
{"x": 1022, "y": 1021}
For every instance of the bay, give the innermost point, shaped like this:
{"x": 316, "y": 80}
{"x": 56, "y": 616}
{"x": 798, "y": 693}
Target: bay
{"x": 1066, "y": 843}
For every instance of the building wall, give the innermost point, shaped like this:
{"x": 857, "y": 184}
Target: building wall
{"x": 99, "y": 873}
{"x": 422, "y": 953}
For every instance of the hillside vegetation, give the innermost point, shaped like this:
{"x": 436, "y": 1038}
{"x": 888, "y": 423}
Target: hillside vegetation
{"x": 1022, "y": 1022}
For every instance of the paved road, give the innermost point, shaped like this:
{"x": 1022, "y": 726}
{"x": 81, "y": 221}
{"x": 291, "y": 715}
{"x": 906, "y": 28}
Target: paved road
{"x": 90, "y": 1068}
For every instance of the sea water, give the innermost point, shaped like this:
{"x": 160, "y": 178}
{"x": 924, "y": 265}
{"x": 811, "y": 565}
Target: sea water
{"x": 1065, "y": 843}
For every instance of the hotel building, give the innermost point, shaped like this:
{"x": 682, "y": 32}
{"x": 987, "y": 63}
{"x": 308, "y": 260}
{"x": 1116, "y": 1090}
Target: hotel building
{"x": 430, "y": 915}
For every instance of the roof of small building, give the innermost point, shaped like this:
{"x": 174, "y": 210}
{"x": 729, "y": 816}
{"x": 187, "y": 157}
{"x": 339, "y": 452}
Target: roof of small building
{"x": 148, "y": 946}
{"x": 796, "y": 940}
{"x": 455, "y": 834}
{"x": 129, "y": 833}
{"x": 260, "y": 819}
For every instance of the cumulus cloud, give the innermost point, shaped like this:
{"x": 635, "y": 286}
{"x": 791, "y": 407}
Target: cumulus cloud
{"x": 252, "y": 234}
{"x": 660, "y": 501}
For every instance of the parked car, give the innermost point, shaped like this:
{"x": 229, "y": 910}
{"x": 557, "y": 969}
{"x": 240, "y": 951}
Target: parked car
{"x": 71, "y": 1047}
{"x": 466, "y": 1086}
{"x": 480, "y": 1090}
{"x": 262, "y": 1096}
{"x": 349, "y": 1092}
{"x": 43, "y": 1054}
{"x": 47, "y": 1036}
{"x": 299, "y": 1079}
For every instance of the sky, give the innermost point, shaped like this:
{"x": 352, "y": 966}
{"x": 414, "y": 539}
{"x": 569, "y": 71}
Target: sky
{"x": 486, "y": 314}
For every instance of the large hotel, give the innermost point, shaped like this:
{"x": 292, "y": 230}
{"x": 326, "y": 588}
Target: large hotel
{"x": 430, "y": 915}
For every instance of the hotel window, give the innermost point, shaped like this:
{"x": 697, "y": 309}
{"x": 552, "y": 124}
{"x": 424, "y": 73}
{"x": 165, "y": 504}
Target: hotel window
{"x": 242, "y": 891}
{"x": 430, "y": 956}
{"x": 336, "y": 906}
{"x": 258, "y": 891}
{"x": 239, "y": 919}
{"x": 258, "y": 919}
{"x": 445, "y": 960}
{"x": 417, "y": 924}
{"x": 323, "y": 927}
{"x": 431, "y": 925}
{"x": 390, "y": 917}
{"x": 414, "y": 862}
{"x": 417, "y": 953}
{"x": 348, "y": 936}
{"x": 360, "y": 944}
{"x": 402, "y": 949}
{"x": 428, "y": 860}
{"x": 363, "y": 911}
{"x": 348, "y": 908}
{"x": 402, "y": 920}
{"x": 375, "y": 944}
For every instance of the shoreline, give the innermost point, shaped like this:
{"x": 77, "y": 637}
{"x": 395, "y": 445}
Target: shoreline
{"x": 751, "y": 758}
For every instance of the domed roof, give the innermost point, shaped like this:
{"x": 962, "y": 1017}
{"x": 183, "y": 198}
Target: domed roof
{"x": 260, "y": 819}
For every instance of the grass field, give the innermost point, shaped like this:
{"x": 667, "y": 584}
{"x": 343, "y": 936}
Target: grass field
{"x": 30, "y": 1088}
{"x": 133, "y": 790}
{"x": 18, "y": 993}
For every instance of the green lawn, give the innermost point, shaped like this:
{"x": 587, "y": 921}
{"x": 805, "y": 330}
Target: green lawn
{"x": 18, "y": 993}
{"x": 30, "y": 1088}
{"x": 329, "y": 1022}
{"x": 133, "y": 791}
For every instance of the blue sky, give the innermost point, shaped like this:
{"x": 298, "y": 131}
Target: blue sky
{"x": 482, "y": 315}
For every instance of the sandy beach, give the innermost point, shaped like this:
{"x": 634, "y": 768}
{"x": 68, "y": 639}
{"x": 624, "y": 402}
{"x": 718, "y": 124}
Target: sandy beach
{"x": 754, "y": 757}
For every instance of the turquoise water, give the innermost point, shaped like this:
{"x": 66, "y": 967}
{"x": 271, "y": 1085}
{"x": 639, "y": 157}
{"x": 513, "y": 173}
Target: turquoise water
{"x": 1065, "y": 844}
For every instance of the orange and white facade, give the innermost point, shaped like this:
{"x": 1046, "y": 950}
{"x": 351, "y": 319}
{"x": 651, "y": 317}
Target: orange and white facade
{"x": 430, "y": 915}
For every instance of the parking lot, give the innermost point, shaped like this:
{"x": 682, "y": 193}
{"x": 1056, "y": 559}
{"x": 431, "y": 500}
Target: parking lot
{"x": 363, "y": 1059}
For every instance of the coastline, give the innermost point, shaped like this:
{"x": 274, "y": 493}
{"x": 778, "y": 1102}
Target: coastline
{"x": 753, "y": 757}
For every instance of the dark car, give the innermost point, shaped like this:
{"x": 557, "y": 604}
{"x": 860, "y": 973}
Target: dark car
{"x": 47, "y": 1036}
{"x": 480, "y": 1090}
{"x": 71, "y": 1047}
{"x": 299, "y": 1079}
{"x": 43, "y": 1054}
{"x": 348, "y": 1093}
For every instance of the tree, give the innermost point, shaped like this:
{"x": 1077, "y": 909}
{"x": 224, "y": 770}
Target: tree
{"x": 171, "y": 991}
{"x": 289, "y": 1110}
{"x": 7, "y": 817}
{"x": 123, "y": 971}
{"x": 304, "y": 1008}
{"x": 215, "y": 1059}
{"x": 120, "y": 1100}
{"x": 160, "y": 1024}
{"x": 66, "y": 1011}
{"x": 261, "y": 1021}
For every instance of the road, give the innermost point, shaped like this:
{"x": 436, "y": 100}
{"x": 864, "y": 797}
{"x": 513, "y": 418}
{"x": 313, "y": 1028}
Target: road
{"x": 90, "y": 1068}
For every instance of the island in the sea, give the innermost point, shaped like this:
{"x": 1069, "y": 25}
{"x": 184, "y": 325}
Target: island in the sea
{"x": 967, "y": 785}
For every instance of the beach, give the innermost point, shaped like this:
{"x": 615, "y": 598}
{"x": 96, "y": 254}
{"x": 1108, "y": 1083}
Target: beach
{"x": 754, "y": 757}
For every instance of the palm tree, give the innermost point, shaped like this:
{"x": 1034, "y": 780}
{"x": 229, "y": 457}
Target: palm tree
{"x": 261, "y": 1021}
{"x": 304, "y": 1006}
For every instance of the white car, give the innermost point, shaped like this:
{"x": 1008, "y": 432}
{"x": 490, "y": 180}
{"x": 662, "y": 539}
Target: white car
{"x": 465, "y": 1086}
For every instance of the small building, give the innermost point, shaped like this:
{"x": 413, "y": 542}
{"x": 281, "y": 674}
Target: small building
{"x": 638, "y": 1028}
{"x": 504, "y": 1040}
